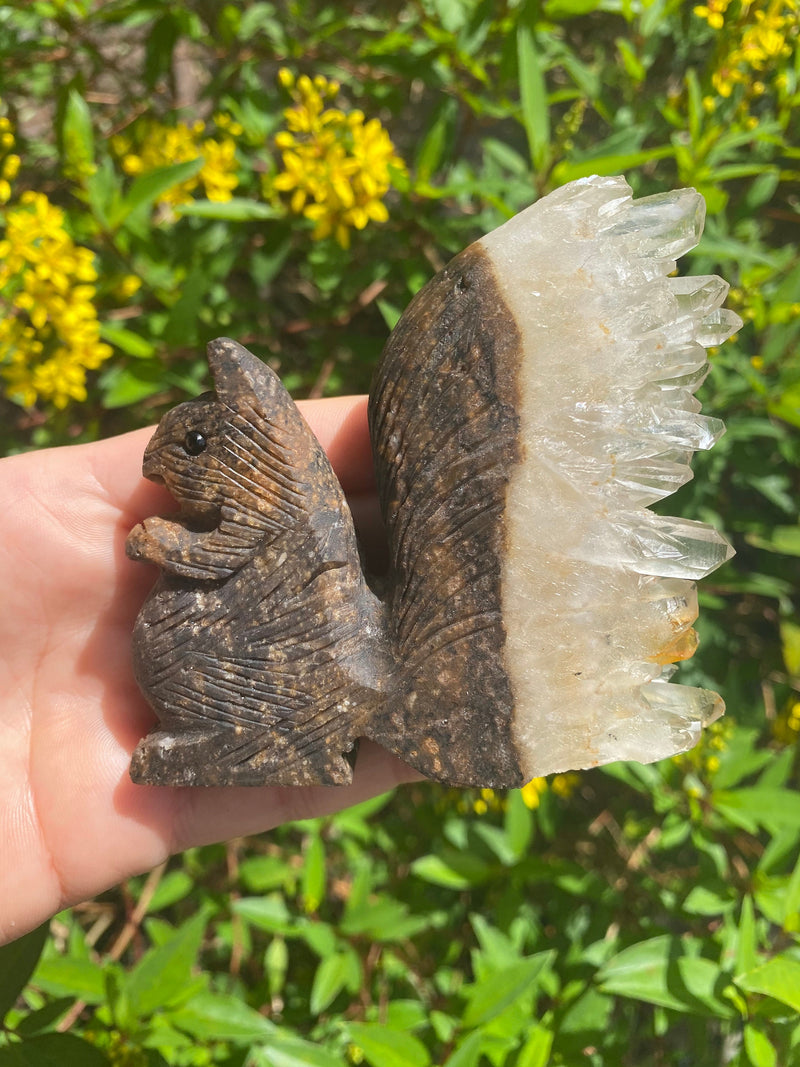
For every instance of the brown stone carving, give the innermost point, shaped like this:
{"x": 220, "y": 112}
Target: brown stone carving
{"x": 534, "y": 398}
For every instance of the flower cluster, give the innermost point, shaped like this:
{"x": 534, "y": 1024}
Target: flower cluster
{"x": 9, "y": 161}
{"x": 713, "y": 12}
{"x": 764, "y": 33}
{"x": 337, "y": 166}
{"x": 561, "y": 785}
{"x": 49, "y": 332}
{"x": 156, "y": 145}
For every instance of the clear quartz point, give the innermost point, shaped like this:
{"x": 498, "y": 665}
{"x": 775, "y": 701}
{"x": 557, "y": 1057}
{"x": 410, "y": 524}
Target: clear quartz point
{"x": 648, "y": 482}
{"x": 677, "y": 548}
{"x": 598, "y": 592}
{"x": 685, "y": 702}
{"x": 699, "y": 293}
{"x": 662, "y": 226}
{"x": 718, "y": 327}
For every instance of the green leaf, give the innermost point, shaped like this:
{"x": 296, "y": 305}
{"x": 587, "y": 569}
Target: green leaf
{"x": 72, "y": 976}
{"x": 174, "y": 886}
{"x": 506, "y": 156}
{"x": 260, "y": 873}
{"x": 658, "y": 971}
{"x": 779, "y": 978}
{"x": 533, "y": 97}
{"x": 77, "y": 138}
{"x": 741, "y": 758}
{"x": 222, "y": 1017}
{"x": 467, "y": 1052}
{"x": 383, "y": 919}
{"x": 519, "y": 822}
{"x": 536, "y": 1050}
{"x": 634, "y": 67}
{"x": 390, "y": 312}
{"x": 103, "y": 191}
{"x": 452, "y": 869}
{"x": 320, "y": 937}
{"x": 499, "y": 989}
{"x": 565, "y": 9}
{"x": 128, "y": 342}
{"x": 774, "y": 809}
{"x": 266, "y": 913}
{"x": 747, "y": 941}
{"x": 181, "y": 325}
{"x": 43, "y": 1020}
{"x": 705, "y": 900}
{"x": 160, "y": 977}
{"x": 313, "y": 876}
{"x": 52, "y": 1050}
{"x": 329, "y": 980}
{"x": 383, "y": 1047}
{"x": 276, "y": 965}
{"x": 128, "y": 385}
{"x": 237, "y": 209}
{"x": 611, "y": 164}
{"x": 288, "y": 1051}
{"x": 17, "y": 962}
{"x": 147, "y": 188}
{"x": 760, "y": 1050}
{"x": 432, "y": 149}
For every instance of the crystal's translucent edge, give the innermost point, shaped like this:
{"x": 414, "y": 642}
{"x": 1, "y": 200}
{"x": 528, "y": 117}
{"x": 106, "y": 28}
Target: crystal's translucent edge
{"x": 615, "y": 349}
{"x": 673, "y": 547}
{"x": 664, "y": 225}
{"x": 654, "y": 228}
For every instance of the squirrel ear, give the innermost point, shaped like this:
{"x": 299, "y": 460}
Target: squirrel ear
{"x": 237, "y": 373}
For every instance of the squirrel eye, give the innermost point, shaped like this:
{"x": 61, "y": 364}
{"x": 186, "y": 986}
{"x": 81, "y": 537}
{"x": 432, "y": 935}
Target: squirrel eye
{"x": 195, "y": 442}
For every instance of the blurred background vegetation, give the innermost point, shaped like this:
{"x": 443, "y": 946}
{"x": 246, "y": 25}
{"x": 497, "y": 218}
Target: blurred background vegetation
{"x": 289, "y": 174}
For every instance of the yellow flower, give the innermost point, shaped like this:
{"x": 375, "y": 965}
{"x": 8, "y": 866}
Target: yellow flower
{"x": 786, "y": 727}
{"x": 158, "y": 145}
{"x": 564, "y": 785}
{"x": 713, "y": 12}
{"x": 128, "y": 286}
{"x": 9, "y": 162}
{"x": 337, "y": 166}
{"x": 229, "y": 124}
{"x": 49, "y": 332}
{"x": 765, "y": 33}
{"x": 219, "y": 169}
{"x": 532, "y": 792}
{"x": 765, "y": 42}
{"x": 703, "y": 761}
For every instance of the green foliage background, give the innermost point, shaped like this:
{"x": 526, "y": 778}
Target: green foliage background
{"x": 652, "y": 914}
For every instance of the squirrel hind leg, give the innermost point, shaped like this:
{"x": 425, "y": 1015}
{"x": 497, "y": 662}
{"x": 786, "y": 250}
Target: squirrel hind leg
{"x": 226, "y": 758}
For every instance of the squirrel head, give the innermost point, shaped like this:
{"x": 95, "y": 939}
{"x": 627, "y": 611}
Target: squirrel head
{"x": 197, "y": 450}
{"x": 242, "y": 450}
{"x": 188, "y": 454}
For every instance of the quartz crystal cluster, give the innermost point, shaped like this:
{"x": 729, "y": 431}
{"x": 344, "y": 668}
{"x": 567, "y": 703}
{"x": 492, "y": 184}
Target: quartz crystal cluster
{"x": 598, "y": 590}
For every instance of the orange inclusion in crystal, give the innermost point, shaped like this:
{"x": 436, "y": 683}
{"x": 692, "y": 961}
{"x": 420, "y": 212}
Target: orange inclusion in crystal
{"x": 682, "y": 647}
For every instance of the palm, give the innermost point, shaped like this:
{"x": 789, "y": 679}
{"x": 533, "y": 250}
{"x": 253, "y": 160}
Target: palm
{"x": 71, "y": 821}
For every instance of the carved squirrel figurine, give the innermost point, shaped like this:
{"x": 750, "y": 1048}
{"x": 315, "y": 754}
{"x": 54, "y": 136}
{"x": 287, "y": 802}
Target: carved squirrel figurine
{"x": 527, "y": 626}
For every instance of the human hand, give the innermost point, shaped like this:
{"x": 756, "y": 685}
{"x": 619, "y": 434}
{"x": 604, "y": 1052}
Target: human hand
{"x": 71, "y": 821}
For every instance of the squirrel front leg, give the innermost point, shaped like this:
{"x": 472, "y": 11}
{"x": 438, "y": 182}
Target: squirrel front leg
{"x": 206, "y": 555}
